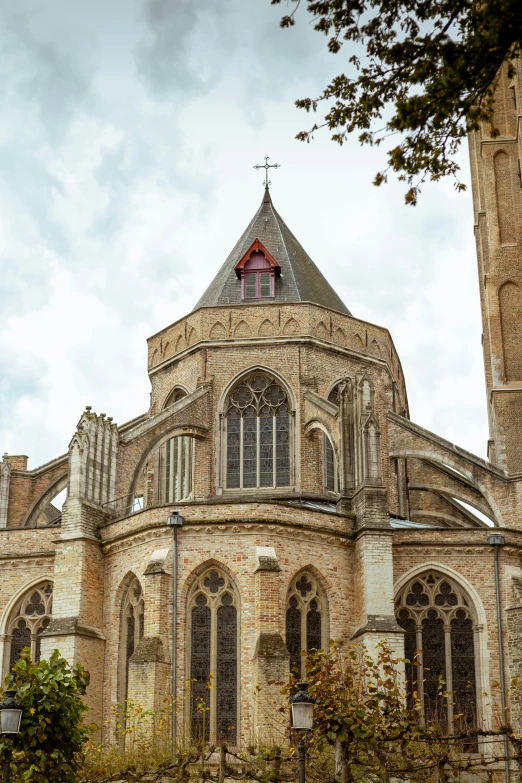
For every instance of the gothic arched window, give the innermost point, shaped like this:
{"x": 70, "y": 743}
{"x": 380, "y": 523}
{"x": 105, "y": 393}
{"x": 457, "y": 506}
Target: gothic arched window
{"x": 179, "y": 468}
{"x": 257, "y": 434}
{"x": 331, "y": 474}
{"x": 132, "y": 630}
{"x": 214, "y": 647}
{"x": 305, "y": 619}
{"x": 29, "y": 618}
{"x": 439, "y": 642}
{"x": 175, "y": 395}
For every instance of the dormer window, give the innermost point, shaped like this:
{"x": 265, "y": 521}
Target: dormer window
{"x": 257, "y": 271}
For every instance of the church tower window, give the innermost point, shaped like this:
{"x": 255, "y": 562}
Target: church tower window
{"x": 214, "y": 646}
{"x": 258, "y": 434}
{"x": 29, "y": 619}
{"x": 257, "y": 277}
{"x": 305, "y": 620}
{"x": 132, "y": 631}
{"x": 257, "y": 271}
{"x": 439, "y": 642}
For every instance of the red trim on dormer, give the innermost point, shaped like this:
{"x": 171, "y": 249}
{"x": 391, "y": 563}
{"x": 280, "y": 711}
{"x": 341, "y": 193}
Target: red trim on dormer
{"x": 256, "y": 247}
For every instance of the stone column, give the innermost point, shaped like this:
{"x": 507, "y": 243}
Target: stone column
{"x": 5, "y": 478}
{"x": 149, "y": 665}
{"x": 374, "y": 571}
{"x": 76, "y": 626}
{"x": 271, "y": 659}
{"x": 346, "y": 446}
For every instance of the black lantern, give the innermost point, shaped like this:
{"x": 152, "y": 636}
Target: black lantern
{"x": 10, "y": 718}
{"x": 10, "y": 715}
{"x": 302, "y": 720}
{"x": 302, "y": 708}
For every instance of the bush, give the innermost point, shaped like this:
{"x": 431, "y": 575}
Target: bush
{"x": 52, "y": 734}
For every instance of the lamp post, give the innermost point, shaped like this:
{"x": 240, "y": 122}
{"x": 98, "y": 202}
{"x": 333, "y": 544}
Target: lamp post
{"x": 10, "y": 717}
{"x": 302, "y": 720}
{"x": 175, "y": 520}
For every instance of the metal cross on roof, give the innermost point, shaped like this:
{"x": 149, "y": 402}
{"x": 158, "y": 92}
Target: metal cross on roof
{"x": 267, "y": 166}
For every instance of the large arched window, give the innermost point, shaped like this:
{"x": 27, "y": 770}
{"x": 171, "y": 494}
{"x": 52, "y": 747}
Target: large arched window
{"x": 257, "y": 434}
{"x": 29, "y": 618}
{"x": 305, "y": 619}
{"x": 213, "y": 610}
{"x": 439, "y": 641}
{"x": 132, "y": 629}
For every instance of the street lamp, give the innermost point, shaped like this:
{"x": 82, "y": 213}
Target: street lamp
{"x": 302, "y": 720}
{"x": 174, "y": 520}
{"x": 10, "y": 717}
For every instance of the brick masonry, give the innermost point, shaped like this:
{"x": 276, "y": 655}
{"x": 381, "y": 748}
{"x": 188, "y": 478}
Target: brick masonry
{"x": 345, "y": 540}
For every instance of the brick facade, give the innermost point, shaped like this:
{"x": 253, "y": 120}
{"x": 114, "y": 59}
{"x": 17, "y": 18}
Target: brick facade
{"x": 396, "y": 510}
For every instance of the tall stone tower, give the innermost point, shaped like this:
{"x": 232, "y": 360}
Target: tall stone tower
{"x": 497, "y": 201}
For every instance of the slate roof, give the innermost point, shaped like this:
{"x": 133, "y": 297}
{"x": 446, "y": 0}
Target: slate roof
{"x": 300, "y": 280}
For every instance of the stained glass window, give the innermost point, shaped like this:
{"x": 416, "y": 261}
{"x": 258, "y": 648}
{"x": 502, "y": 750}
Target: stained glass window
{"x": 132, "y": 630}
{"x": 214, "y": 650}
{"x": 436, "y": 618}
{"x": 410, "y": 652}
{"x": 258, "y": 434}
{"x": 293, "y": 635}
{"x": 200, "y": 667}
{"x": 305, "y": 620}
{"x": 226, "y": 665}
{"x": 29, "y": 619}
{"x": 20, "y": 638}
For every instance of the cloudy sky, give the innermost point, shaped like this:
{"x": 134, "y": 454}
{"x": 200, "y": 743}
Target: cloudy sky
{"x": 128, "y": 135}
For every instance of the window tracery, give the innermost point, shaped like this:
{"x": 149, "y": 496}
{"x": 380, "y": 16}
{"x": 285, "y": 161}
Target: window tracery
{"x": 132, "y": 631}
{"x": 305, "y": 619}
{"x": 257, "y": 434}
{"x": 29, "y": 619}
{"x": 439, "y": 640}
{"x": 214, "y": 657}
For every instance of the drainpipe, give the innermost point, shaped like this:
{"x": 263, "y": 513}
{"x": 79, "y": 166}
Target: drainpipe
{"x": 496, "y": 540}
{"x": 175, "y": 520}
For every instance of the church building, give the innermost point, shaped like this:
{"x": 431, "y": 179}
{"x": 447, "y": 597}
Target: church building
{"x": 312, "y": 507}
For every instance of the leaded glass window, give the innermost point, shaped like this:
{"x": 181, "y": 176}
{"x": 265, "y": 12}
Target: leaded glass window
{"x": 179, "y": 459}
{"x": 305, "y": 620}
{"x": 132, "y": 631}
{"x": 258, "y": 434}
{"x": 29, "y": 619}
{"x": 214, "y": 650}
{"x": 439, "y": 643}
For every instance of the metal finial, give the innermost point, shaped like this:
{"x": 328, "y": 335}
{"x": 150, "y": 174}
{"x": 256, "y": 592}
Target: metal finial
{"x": 267, "y": 166}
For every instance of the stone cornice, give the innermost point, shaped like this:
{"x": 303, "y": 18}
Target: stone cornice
{"x": 154, "y": 531}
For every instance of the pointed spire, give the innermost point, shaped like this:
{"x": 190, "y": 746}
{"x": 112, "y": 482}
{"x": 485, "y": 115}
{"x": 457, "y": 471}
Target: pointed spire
{"x": 300, "y": 279}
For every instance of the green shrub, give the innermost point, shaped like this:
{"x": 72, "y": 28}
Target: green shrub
{"x": 52, "y": 733}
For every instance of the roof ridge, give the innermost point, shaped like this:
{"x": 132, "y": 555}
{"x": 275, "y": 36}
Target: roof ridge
{"x": 277, "y": 218}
